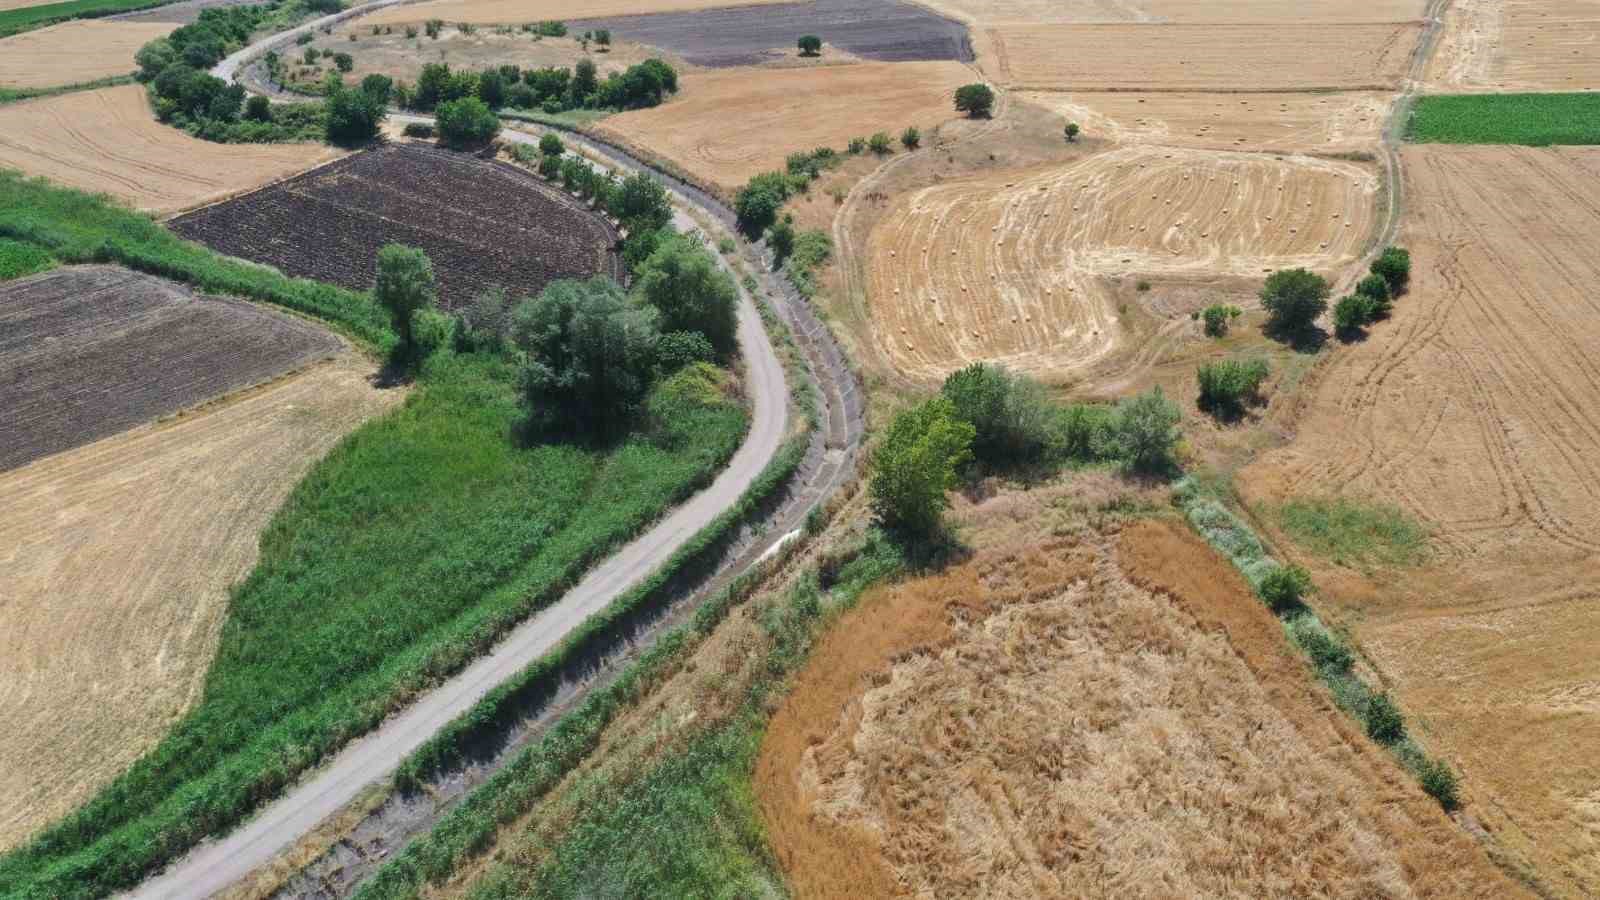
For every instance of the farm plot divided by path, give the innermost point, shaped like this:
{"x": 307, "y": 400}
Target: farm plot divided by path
{"x": 87, "y": 352}
{"x": 117, "y": 558}
{"x": 1473, "y": 409}
{"x": 484, "y": 224}
{"x": 74, "y": 52}
{"x": 109, "y": 141}
{"x": 1008, "y": 269}
{"x": 1518, "y": 45}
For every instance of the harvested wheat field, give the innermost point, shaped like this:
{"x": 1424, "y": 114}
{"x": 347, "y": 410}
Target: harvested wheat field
{"x": 1474, "y": 410}
{"x": 486, "y": 12}
{"x": 74, "y": 52}
{"x": 1199, "y": 57}
{"x": 1086, "y": 716}
{"x": 1277, "y": 123}
{"x": 1037, "y": 12}
{"x": 727, "y": 125}
{"x": 109, "y": 141}
{"x": 117, "y": 558}
{"x": 1009, "y": 268}
{"x": 1518, "y": 45}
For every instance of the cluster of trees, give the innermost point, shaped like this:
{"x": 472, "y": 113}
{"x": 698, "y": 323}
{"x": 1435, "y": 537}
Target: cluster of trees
{"x": 551, "y": 89}
{"x": 988, "y": 419}
{"x": 1226, "y": 386}
{"x": 1294, "y": 298}
{"x": 1375, "y": 294}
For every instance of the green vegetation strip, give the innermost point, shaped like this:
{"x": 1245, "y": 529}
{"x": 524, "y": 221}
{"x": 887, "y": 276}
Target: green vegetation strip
{"x": 13, "y": 21}
{"x": 1330, "y": 656}
{"x": 1537, "y": 120}
{"x": 12, "y": 95}
{"x": 1352, "y": 532}
{"x": 17, "y": 260}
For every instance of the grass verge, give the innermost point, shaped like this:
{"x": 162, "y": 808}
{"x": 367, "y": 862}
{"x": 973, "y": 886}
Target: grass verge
{"x": 1353, "y": 532}
{"x": 1537, "y": 120}
{"x": 12, "y": 95}
{"x": 14, "y": 21}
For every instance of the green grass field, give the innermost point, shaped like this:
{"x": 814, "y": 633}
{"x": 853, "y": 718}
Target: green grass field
{"x": 1354, "y": 533}
{"x": 406, "y": 552}
{"x": 17, "y": 259}
{"x": 13, "y": 21}
{"x": 12, "y": 95}
{"x": 1537, "y": 120}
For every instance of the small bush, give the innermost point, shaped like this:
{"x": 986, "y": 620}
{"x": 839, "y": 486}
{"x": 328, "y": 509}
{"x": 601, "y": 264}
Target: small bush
{"x": 726, "y": 245}
{"x": 411, "y": 31}
{"x": 1284, "y": 587}
{"x": 676, "y": 349}
{"x": 418, "y": 130}
{"x": 258, "y": 109}
{"x": 17, "y": 260}
{"x": 1374, "y": 286}
{"x": 1436, "y": 778}
{"x": 1217, "y": 318}
{"x": 550, "y": 167}
{"x": 431, "y": 331}
{"x": 344, "y": 62}
{"x": 550, "y": 144}
{"x": 1394, "y": 266}
{"x": 976, "y": 100}
{"x": 1384, "y": 722}
{"x": 879, "y": 143}
{"x": 1143, "y": 430}
{"x": 857, "y": 146}
{"x": 1352, "y": 313}
{"x": 1142, "y": 286}
{"x": 1226, "y": 386}
{"x": 810, "y": 45}
{"x": 911, "y": 138}
{"x": 1325, "y": 650}
{"x": 433, "y": 27}
{"x": 302, "y": 40}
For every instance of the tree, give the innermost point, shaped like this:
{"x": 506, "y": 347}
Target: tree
{"x": 550, "y": 144}
{"x": 344, "y": 62}
{"x": 640, "y": 203}
{"x": 585, "y": 82}
{"x": 466, "y": 122}
{"x": 916, "y": 463}
{"x": 588, "y": 355}
{"x": 602, "y": 36}
{"x": 258, "y": 109}
{"x": 154, "y": 58}
{"x": 1284, "y": 587}
{"x": 1384, "y": 722}
{"x": 690, "y": 291}
{"x": 1394, "y": 265}
{"x": 378, "y": 87}
{"x": 758, "y": 202}
{"x": 353, "y": 116}
{"x": 780, "y": 237}
{"x": 1071, "y": 131}
{"x": 1143, "y": 430}
{"x": 1293, "y": 299}
{"x": 879, "y": 143}
{"x": 976, "y": 100}
{"x": 1352, "y": 313}
{"x": 403, "y": 286}
{"x": 431, "y": 83}
{"x": 984, "y": 396}
{"x": 810, "y": 45}
{"x": 911, "y": 137}
{"x": 492, "y": 89}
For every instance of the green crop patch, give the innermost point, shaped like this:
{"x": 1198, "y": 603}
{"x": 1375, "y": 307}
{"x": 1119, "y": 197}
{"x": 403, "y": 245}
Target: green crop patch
{"x": 1535, "y": 120}
{"x": 1352, "y": 532}
{"x": 17, "y": 259}
{"x": 13, "y": 21}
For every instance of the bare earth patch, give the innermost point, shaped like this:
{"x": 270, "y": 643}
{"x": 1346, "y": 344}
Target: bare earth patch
{"x": 1473, "y": 410}
{"x": 1518, "y": 45}
{"x": 109, "y": 141}
{"x": 727, "y": 125}
{"x": 117, "y": 558}
{"x": 74, "y": 52}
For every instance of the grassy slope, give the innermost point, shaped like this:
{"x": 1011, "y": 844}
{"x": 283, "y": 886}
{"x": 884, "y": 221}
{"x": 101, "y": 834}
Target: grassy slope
{"x": 405, "y": 552}
{"x": 1537, "y": 120}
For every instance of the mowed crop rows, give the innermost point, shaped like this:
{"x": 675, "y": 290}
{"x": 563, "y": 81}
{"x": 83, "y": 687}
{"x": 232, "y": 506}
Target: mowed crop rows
{"x": 74, "y": 52}
{"x": 1473, "y": 409}
{"x": 1518, "y": 45}
{"x": 484, "y": 224}
{"x": 87, "y": 352}
{"x": 1009, "y": 270}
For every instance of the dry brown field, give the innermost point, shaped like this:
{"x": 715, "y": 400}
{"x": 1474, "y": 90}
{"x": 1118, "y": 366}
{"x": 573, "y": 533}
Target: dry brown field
{"x": 1090, "y": 714}
{"x": 727, "y": 125}
{"x": 519, "y": 11}
{"x": 1276, "y": 123}
{"x": 117, "y": 558}
{"x": 1473, "y": 409}
{"x": 1033, "y": 12}
{"x": 1011, "y": 268}
{"x": 109, "y": 141}
{"x": 1293, "y": 56}
{"x": 74, "y": 52}
{"x": 1518, "y": 45}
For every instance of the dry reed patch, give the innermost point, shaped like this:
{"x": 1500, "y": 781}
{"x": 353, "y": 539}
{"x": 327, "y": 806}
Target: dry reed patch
{"x": 727, "y": 125}
{"x": 1012, "y": 267}
{"x": 1033, "y": 722}
{"x": 74, "y": 52}
{"x": 519, "y": 11}
{"x": 1518, "y": 45}
{"x": 1296, "y": 56}
{"x": 117, "y": 559}
{"x": 109, "y": 141}
{"x": 1473, "y": 409}
{"x": 1279, "y": 123}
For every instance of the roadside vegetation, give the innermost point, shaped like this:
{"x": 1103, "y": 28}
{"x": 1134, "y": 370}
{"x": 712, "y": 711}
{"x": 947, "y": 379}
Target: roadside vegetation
{"x": 1536, "y": 120}
{"x": 12, "y": 95}
{"x": 1352, "y": 532}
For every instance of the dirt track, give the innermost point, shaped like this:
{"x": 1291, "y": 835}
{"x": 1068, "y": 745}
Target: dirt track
{"x": 74, "y": 52}
{"x": 117, "y": 558}
{"x": 1518, "y": 45}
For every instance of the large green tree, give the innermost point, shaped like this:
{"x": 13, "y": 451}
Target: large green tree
{"x": 404, "y": 285}
{"x": 1293, "y": 299}
{"x": 685, "y": 285}
{"x": 589, "y": 353}
{"x": 916, "y": 464}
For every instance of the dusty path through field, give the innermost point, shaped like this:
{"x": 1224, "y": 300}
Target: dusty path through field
{"x": 1518, "y": 45}
{"x": 1009, "y": 268}
{"x": 117, "y": 558}
{"x": 1473, "y": 410}
{"x": 74, "y": 52}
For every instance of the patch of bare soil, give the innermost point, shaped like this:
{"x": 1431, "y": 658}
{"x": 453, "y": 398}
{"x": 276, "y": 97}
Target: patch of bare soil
{"x": 117, "y": 558}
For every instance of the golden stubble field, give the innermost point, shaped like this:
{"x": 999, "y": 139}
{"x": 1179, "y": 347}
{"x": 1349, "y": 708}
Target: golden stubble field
{"x": 1012, "y": 268}
{"x": 74, "y": 52}
{"x": 117, "y": 560}
{"x": 1518, "y": 45}
{"x": 1473, "y": 409}
{"x": 109, "y": 141}
{"x": 488, "y": 12}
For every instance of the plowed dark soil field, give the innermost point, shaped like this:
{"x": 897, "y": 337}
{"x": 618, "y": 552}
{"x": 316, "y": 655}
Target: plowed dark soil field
{"x": 482, "y": 223}
{"x": 886, "y": 30}
{"x": 87, "y": 352}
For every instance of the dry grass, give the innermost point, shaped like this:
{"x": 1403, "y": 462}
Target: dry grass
{"x": 117, "y": 562}
{"x": 1013, "y": 267}
{"x": 1518, "y": 45}
{"x": 107, "y": 140}
{"x": 1472, "y": 409}
{"x": 997, "y": 12}
{"x": 727, "y": 125}
{"x": 74, "y": 52}
{"x": 1086, "y": 715}
{"x": 519, "y": 11}
{"x": 395, "y": 56}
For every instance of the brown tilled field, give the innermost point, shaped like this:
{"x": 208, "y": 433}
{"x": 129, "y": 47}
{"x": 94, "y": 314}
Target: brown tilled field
{"x": 1011, "y": 268}
{"x": 727, "y": 125}
{"x": 109, "y": 141}
{"x": 74, "y": 52}
{"x": 118, "y": 558}
{"x": 1085, "y": 716}
{"x": 1277, "y": 123}
{"x": 1199, "y": 57}
{"x": 519, "y": 11}
{"x": 1518, "y": 45}
{"x": 1473, "y": 410}
{"x": 87, "y": 352}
